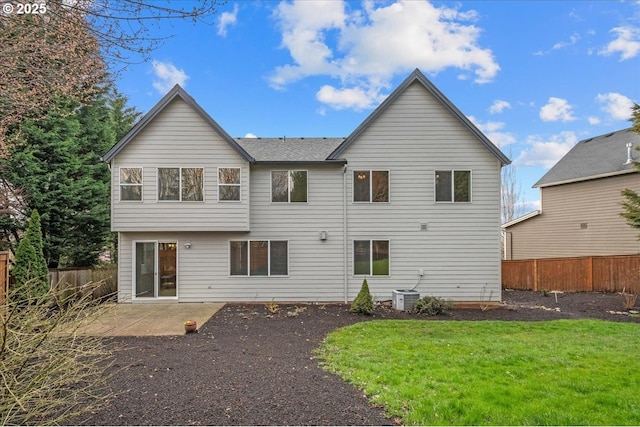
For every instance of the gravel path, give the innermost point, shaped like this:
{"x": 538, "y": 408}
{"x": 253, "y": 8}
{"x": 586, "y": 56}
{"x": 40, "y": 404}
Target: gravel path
{"x": 248, "y": 367}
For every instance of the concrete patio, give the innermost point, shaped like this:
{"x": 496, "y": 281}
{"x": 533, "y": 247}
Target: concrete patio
{"x": 148, "y": 319}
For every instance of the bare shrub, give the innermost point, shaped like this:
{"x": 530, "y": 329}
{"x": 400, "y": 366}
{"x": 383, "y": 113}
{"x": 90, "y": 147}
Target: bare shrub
{"x": 49, "y": 373}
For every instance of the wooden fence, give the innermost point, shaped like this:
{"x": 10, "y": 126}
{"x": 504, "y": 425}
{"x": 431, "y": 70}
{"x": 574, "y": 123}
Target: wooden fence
{"x": 74, "y": 279}
{"x": 583, "y": 274}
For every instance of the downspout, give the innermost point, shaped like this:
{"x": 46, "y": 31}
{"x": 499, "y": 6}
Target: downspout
{"x": 344, "y": 231}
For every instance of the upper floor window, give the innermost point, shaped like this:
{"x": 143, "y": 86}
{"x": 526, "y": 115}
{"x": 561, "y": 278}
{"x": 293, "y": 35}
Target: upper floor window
{"x": 184, "y": 184}
{"x": 288, "y": 186}
{"x": 371, "y": 257}
{"x": 258, "y": 258}
{"x": 370, "y": 186}
{"x": 229, "y": 184}
{"x": 453, "y": 186}
{"x": 131, "y": 184}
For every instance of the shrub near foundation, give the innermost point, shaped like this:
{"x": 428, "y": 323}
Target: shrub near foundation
{"x": 363, "y": 304}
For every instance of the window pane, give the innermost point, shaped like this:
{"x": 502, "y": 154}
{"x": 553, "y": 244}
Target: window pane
{"x": 192, "y": 184}
{"x": 238, "y": 258}
{"x": 259, "y": 256}
{"x": 443, "y": 186}
{"x": 131, "y": 192}
{"x": 228, "y": 192}
{"x": 168, "y": 184}
{"x": 229, "y": 176}
{"x": 279, "y": 184}
{"x": 279, "y": 258}
{"x": 380, "y": 257}
{"x": 130, "y": 175}
{"x": 298, "y": 186}
{"x": 361, "y": 257}
{"x": 380, "y": 184}
{"x": 167, "y": 257}
{"x": 462, "y": 186}
{"x": 361, "y": 186}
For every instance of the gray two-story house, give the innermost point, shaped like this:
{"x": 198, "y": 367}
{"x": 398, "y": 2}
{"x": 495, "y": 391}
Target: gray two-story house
{"x": 411, "y": 199}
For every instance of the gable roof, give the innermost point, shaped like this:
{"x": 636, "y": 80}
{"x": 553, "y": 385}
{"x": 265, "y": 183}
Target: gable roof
{"x": 597, "y": 157}
{"x": 291, "y": 150}
{"x": 175, "y": 92}
{"x": 417, "y": 76}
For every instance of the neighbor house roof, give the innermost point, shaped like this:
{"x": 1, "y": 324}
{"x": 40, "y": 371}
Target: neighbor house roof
{"x": 597, "y": 157}
{"x": 417, "y": 76}
{"x": 175, "y": 92}
{"x": 291, "y": 150}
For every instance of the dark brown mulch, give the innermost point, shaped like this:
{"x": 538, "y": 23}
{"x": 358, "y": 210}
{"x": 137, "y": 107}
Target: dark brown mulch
{"x": 248, "y": 367}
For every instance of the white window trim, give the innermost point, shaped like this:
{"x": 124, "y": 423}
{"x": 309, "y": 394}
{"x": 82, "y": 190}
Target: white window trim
{"x": 239, "y": 185}
{"x": 249, "y": 258}
{"x": 288, "y": 187}
{"x": 435, "y": 191}
{"x": 353, "y": 187}
{"x": 120, "y": 184}
{"x": 353, "y": 260}
{"x": 179, "y": 184}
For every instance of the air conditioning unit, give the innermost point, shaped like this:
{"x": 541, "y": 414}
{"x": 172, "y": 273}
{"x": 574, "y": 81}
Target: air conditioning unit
{"x": 404, "y": 300}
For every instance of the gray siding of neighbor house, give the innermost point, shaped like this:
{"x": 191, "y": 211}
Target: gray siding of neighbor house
{"x": 460, "y": 251}
{"x": 558, "y": 231}
{"x": 315, "y": 266}
{"x": 179, "y": 137}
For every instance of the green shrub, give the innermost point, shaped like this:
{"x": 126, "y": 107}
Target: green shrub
{"x": 30, "y": 272}
{"x": 363, "y": 304}
{"x": 431, "y": 306}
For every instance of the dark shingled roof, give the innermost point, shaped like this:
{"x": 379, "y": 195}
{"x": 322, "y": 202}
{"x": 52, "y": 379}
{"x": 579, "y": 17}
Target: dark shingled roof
{"x": 289, "y": 149}
{"x": 595, "y": 157}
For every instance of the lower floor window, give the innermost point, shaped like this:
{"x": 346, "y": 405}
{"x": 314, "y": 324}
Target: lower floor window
{"x": 258, "y": 258}
{"x": 371, "y": 257}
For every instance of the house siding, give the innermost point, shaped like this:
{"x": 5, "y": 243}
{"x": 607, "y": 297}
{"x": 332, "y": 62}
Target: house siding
{"x": 179, "y": 137}
{"x": 460, "y": 251}
{"x": 557, "y": 231}
{"x": 316, "y": 271}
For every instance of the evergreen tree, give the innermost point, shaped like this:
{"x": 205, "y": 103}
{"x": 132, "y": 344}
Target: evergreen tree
{"x": 30, "y": 272}
{"x": 56, "y": 163}
{"x": 631, "y": 205}
{"x": 363, "y": 304}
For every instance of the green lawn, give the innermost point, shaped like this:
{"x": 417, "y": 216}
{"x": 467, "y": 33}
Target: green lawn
{"x": 562, "y": 372}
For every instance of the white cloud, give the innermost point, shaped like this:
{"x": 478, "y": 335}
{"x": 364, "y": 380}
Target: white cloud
{"x": 353, "y": 98}
{"x": 499, "y": 106}
{"x": 492, "y": 130}
{"x": 366, "y": 48}
{"x": 557, "y": 109}
{"x": 167, "y": 76}
{"x": 250, "y": 135}
{"x": 593, "y": 120}
{"x": 546, "y": 152}
{"x": 572, "y": 40}
{"x": 627, "y": 43}
{"x": 227, "y": 19}
{"x": 616, "y": 105}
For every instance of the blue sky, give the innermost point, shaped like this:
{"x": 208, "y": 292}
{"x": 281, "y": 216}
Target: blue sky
{"x": 536, "y": 77}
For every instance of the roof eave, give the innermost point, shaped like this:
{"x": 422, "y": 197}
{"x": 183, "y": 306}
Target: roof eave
{"x": 585, "y": 178}
{"x": 522, "y": 218}
{"x": 300, "y": 162}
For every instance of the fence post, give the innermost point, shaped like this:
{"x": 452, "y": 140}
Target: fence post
{"x": 590, "y": 274}
{"x": 535, "y": 275}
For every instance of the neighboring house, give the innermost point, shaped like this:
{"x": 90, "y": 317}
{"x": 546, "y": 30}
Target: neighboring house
{"x": 581, "y": 203}
{"x": 410, "y": 199}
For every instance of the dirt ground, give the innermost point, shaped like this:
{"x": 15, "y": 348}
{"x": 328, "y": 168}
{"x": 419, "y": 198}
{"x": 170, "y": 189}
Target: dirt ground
{"x": 247, "y": 366}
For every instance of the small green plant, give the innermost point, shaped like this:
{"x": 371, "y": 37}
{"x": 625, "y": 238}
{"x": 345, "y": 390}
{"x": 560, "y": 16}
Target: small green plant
{"x": 363, "y": 304}
{"x": 273, "y": 307}
{"x": 544, "y": 292}
{"x": 431, "y": 306}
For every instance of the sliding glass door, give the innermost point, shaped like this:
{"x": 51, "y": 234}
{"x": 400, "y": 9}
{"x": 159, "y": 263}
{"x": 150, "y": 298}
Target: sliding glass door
{"x": 155, "y": 269}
